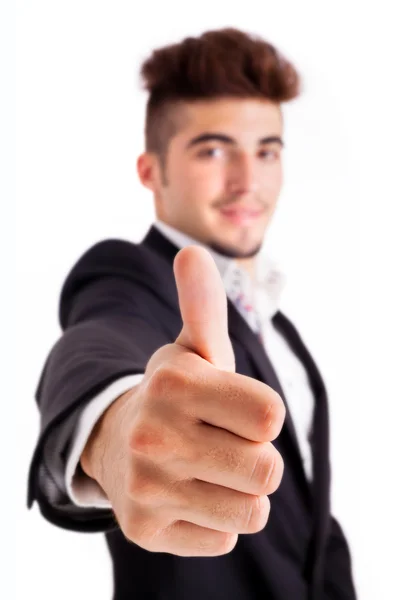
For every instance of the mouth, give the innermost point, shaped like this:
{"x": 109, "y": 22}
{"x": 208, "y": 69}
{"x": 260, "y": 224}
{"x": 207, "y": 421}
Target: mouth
{"x": 241, "y": 215}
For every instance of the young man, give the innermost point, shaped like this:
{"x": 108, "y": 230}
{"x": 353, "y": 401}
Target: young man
{"x": 179, "y": 396}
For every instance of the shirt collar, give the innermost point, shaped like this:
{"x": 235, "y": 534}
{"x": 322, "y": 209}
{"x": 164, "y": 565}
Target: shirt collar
{"x": 269, "y": 282}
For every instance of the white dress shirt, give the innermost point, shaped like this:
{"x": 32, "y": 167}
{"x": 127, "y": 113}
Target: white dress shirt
{"x": 265, "y": 294}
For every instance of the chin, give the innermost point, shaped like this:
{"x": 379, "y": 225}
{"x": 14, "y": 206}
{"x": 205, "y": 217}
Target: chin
{"x": 244, "y": 243}
{"x": 232, "y": 251}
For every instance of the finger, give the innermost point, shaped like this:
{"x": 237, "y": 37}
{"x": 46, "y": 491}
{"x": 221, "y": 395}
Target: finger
{"x": 219, "y": 457}
{"x": 235, "y": 402}
{"x": 202, "y": 503}
{"x": 223, "y": 509}
{"x": 188, "y": 539}
{"x": 165, "y": 533}
{"x": 206, "y": 453}
{"x": 203, "y": 306}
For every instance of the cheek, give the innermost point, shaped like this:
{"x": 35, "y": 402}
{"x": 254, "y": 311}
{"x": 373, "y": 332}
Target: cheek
{"x": 273, "y": 180}
{"x": 203, "y": 185}
{"x": 210, "y": 176}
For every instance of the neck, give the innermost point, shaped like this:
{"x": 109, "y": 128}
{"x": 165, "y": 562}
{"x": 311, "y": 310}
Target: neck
{"x": 249, "y": 265}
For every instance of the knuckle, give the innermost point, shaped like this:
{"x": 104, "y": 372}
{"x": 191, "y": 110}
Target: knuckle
{"x": 168, "y": 381}
{"x": 276, "y": 475}
{"x": 143, "y": 438}
{"x": 257, "y": 513}
{"x": 156, "y": 384}
{"x": 143, "y": 488}
{"x": 273, "y": 417}
{"x": 267, "y": 472}
{"x": 156, "y": 439}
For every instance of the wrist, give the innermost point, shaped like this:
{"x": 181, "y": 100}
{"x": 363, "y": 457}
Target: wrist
{"x": 98, "y": 446}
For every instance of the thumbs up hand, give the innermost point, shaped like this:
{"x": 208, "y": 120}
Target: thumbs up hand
{"x": 186, "y": 456}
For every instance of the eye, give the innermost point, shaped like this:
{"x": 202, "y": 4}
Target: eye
{"x": 210, "y": 152}
{"x": 269, "y": 155}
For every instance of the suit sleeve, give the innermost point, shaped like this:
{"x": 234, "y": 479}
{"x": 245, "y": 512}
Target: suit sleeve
{"x": 338, "y": 583}
{"x": 106, "y": 336}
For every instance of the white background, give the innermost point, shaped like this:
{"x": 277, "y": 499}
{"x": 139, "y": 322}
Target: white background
{"x": 79, "y": 117}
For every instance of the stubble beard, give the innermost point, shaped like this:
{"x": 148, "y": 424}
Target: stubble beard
{"x": 231, "y": 252}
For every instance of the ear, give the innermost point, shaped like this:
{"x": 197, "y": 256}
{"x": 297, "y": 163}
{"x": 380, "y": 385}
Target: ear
{"x": 148, "y": 170}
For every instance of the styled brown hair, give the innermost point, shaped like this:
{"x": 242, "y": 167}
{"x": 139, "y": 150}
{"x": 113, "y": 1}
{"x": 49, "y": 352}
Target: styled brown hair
{"x": 221, "y": 63}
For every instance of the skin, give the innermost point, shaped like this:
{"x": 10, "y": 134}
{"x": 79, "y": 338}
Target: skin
{"x": 238, "y": 163}
{"x": 185, "y": 457}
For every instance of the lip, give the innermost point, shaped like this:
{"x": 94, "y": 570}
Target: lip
{"x": 241, "y": 215}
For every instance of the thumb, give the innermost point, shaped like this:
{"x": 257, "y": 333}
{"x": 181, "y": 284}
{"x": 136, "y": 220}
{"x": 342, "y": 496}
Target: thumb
{"x": 203, "y": 306}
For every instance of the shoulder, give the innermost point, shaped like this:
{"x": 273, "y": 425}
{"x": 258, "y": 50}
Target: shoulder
{"x": 120, "y": 262}
{"x": 111, "y": 257}
{"x": 108, "y": 253}
{"x": 116, "y": 268}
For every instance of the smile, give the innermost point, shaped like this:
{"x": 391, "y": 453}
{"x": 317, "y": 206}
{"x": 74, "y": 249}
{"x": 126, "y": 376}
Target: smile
{"x": 240, "y": 215}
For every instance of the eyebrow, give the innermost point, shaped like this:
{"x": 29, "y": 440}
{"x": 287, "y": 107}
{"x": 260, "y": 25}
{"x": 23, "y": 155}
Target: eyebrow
{"x": 226, "y": 139}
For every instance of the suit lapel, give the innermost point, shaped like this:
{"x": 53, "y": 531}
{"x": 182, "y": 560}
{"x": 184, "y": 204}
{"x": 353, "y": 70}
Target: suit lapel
{"x": 239, "y": 330}
{"x": 320, "y": 431}
{"x": 320, "y": 450}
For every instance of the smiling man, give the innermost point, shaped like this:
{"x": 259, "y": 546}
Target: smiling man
{"x": 179, "y": 397}
{"x": 222, "y": 174}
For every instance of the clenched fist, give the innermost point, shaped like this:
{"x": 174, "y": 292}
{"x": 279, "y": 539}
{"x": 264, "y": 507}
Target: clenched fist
{"x": 185, "y": 457}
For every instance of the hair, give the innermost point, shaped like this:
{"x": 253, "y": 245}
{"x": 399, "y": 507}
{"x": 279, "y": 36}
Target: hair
{"x": 222, "y": 63}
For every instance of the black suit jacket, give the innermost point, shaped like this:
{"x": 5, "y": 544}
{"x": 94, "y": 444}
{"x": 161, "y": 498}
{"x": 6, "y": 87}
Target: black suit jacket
{"x": 118, "y": 305}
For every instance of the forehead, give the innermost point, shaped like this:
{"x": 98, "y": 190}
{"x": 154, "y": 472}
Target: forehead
{"x": 244, "y": 119}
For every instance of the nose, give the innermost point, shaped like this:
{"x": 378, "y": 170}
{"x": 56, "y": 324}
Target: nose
{"x": 242, "y": 176}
